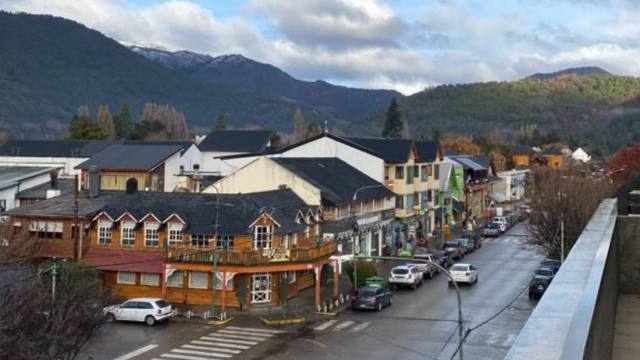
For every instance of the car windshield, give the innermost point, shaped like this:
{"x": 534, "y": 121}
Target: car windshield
{"x": 544, "y": 272}
{"x": 451, "y": 244}
{"x": 366, "y": 292}
{"x": 492, "y": 226}
{"x": 400, "y": 271}
{"x": 162, "y": 303}
{"x": 539, "y": 281}
{"x": 459, "y": 268}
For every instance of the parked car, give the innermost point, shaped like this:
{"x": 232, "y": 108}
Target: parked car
{"x": 492, "y": 229}
{"x": 466, "y": 273}
{"x": 502, "y": 222}
{"x": 474, "y": 235}
{"x": 454, "y": 248}
{"x": 370, "y": 297}
{"x": 468, "y": 244}
{"x": 444, "y": 258}
{"x": 545, "y": 273}
{"x": 429, "y": 270}
{"x": 538, "y": 286}
{"x": 406, "y": 275}
{"x": 554, "y": 264}
{"x": 147, "y": 310}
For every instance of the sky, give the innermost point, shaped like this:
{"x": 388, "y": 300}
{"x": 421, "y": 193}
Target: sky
{"x": 405, "y": 45}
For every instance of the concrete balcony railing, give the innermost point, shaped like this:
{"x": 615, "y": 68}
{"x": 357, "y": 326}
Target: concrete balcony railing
{"x": 252, "y": 256}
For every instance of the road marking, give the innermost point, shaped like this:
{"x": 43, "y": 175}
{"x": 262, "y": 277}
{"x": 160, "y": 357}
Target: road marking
{"x": 216, "y": 343}
{"x": 244, "y": 333}
{"x": 184, "y": 357}
{"x": 255, "y": 329}
{"x": 315, "y": 343}
{"x": 343, "y": 325}
{"x": 208, "y": 348}
{"x": 135, "y": 353}
{"x": 325, "y": 325}
{"x": 362, "y": 326}
{"x": 230, "y": 340}
{"x": 234, "y": 336}
{"x": 205, "y": 353}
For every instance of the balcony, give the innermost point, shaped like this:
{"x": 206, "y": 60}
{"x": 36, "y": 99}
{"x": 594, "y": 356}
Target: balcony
{"x": 252, "y": 256}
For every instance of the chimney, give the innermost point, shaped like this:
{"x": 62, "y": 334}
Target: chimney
{"x": 94, "y": 181}
{"x": 132, "y": 185}
{"x": 53, "y": 190}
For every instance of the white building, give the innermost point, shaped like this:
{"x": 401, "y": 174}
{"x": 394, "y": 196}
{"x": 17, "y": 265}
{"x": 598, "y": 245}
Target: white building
{"x": 580, "y": 155}
{"x": 221, "y": 143}
{"x": 14, "y": 179}
{"x": 512, "y": 184}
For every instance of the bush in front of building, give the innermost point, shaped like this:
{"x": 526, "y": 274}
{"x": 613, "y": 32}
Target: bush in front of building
{"x": 364, "y": 268}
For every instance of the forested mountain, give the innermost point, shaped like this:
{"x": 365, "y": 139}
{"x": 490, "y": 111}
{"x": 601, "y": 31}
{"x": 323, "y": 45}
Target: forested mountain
{"x": 602, "y": 111}
{"x": 580, "y": 71}
{"x": 248, "y": 75}
{"x": 49, "y": 66}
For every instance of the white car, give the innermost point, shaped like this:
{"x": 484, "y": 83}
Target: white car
{"x": 147, "y": 310}
{"x": 466, "y": 273}
{"x": 502, "y": 221}
{"x": 407, "y": 275}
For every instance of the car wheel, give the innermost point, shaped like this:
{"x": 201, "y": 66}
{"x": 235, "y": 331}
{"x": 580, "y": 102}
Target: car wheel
{"x": 379, "y": 307}
{"x": 111, "y": 317}
{"x": 150, "y": 320}
{"x": 431, "y": 275}
{"x": 450, "y": 283}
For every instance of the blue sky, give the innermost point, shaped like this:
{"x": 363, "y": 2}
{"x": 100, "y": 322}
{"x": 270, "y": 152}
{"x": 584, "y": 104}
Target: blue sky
{"x": 402, "y": 44}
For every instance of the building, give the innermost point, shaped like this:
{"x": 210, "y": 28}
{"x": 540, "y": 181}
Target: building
{"x": 555, "y": 155}
{"x": 155, "y": 167}
{"x": 222, "y": 143}
{"x": 478, "y": 185}
{"x": 66, "y": 154}
{"x": 580, "y": 155}
{"x": 451, "y": 196}
{"x": 16, "y": 179}
{"x": 53, "y": 187}
{"x": 521, "y": 155}
{"x": 356, "y": 207}
{"x": 512, "y": 184}
{"x": 249, "y": 249}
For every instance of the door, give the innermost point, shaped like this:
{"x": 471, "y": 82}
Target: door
{"x": 127, "y": 311}
{"x": 144, "y": 308}
{"x": 261, "y": 288}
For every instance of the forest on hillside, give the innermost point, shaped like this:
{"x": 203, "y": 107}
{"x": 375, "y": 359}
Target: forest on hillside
{"x": 599, "y": 111}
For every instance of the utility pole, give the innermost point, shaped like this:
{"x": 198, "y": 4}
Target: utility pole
{"x": 561, "y": 238}
{"x": 215, "y": 253}
{"x": 54, "y": 274}
{"x": 76, "y": 224}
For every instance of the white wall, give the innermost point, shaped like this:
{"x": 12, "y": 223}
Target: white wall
{"x": 209, "y": 161}
{"x": 9, "y": 194}
{"x": 371, "y": 165}
{"x": 171, "y": 170}
{"x": 190, "y": 157}
{"x": 271, "y": 176}
{"x": 67, "y": 164}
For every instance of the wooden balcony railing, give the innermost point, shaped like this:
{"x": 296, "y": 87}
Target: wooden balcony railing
{"x": 253, "y": 256}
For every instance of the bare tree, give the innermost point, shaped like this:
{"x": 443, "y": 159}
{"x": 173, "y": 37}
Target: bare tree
{"x": 571, "y": 195}
{"x": 105, "y": 121}
{"x": 35, "y": 322}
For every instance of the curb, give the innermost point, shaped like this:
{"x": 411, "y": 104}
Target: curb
{"x": 221, "y": 322}
{"x": 296, "y": 320}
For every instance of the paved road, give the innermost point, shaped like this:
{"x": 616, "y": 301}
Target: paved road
{"x": 420, "y": 324}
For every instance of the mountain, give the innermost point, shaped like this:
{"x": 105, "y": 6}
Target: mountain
{"x": 251, "y": 76}
{"x": 602, "y": 111}
{"x": 578, "y": 71}
{"x": 49, "y": 66}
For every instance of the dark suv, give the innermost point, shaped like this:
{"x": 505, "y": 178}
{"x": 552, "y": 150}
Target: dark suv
{"x": 538, "y": 286}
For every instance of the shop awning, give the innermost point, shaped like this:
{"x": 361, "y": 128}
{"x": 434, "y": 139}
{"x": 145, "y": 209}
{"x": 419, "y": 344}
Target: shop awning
{"x": 126, "y": 260}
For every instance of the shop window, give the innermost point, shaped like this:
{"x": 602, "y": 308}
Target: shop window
{"x": 128, "y": 278}
{"x": 150, "y": 279}
{"x": 199, "y": 280}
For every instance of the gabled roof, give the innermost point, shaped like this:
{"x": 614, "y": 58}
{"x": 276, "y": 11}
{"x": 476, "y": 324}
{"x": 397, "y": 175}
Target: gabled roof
{"x": 62, "y": 206}
{"x": 131, "y": 157}
{"x": 518, "y": 149}
{"x": 54, "y": 148}
{"x": 40, "y": 192}
{"x": 337, "y": 180}
{"x": 241, "y": 141}
{"x": 13, "y": 175}
{"x": 475, "y": 163}
{"x": 391, "y": 150}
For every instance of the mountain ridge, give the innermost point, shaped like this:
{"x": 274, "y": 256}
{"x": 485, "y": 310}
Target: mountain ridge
{"x": 577, "y": 71}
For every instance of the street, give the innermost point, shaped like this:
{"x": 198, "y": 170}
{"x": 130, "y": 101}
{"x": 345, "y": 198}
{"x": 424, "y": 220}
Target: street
{"x": 420, "y": 324}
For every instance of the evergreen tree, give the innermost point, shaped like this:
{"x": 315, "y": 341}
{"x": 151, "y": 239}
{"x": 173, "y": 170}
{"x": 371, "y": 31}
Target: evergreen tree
{"x": 392, "y": 122}
{"x": 105, "y": 122}
{"x": 123, "y": 122}
{"x": 82, "y": 127}
{"x": 299, "y": 130}
{"x": 221, "y": 124}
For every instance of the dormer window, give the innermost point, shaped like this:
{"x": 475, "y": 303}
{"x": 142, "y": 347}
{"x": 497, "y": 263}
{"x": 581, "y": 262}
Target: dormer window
{"x": 263, "y": 237}
{"x": 151, "y": 237}
{"x": 175, "y": 234}
{"x": 104, "y": 232}
{"x": 128, "y": 235}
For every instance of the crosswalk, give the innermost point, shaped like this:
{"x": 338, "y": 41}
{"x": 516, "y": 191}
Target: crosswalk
{"x": 346, "y": 325}
{"x": 221, "y": 344}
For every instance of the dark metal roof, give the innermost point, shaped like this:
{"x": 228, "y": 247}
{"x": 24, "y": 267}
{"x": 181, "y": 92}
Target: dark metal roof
{"x": 62, "y": 206}
{"x": 131, "y": 157}
{"x": 391, "y": 150}
{"x": 521, "y": 149}
{"x": 244, "y": 141}
{"x": 336, "y": 180}
{"x": 12, "y": 175}
{"x": 54, "y": 148}
{"x": 475, "y": 163}
{"x": 40, "y": 192}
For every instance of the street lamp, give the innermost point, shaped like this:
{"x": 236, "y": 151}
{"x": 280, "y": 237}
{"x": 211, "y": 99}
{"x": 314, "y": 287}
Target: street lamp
{"x": 215, "y": 251}
{"x": 562, "y": 197}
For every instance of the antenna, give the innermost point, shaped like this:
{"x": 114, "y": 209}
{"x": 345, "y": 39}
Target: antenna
{"x": 326, "y": 126}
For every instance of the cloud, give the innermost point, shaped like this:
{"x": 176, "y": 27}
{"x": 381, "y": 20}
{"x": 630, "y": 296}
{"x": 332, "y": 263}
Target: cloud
{"x": 381, "y": 43}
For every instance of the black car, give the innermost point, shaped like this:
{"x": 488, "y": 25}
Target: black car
{"x": 546, "y": 273}
{"x": 549, "y": 263}
{"x": 370, "y": 297}
{"x": 538, "y": 286}
{"x": 474, "y": 235}
{"x": 444, "y": 258}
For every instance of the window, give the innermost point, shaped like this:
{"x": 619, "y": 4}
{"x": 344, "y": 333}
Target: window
{"x": 3, "y": 205}
{"x": 410, "y": 202}
{"x": 175, "y": 234}
{"x": 104, "y": 233}
{"x": 176, "y": 279}
{"x": 46, "y": 229}
{"x": 200, "y": 240}
{"x": 291, "y": 275}
{"x": 150, "y": 279}
{"x": 224, "y": 242}
{"x": 126, "y": 278}
{"x": 387, "y": 170}
{"x": 399, "y": 172}
{"x": 424, "y": 198}
{"x": 424, "y": 173}
{"x": 128, "y": 236}
{"x": 436, "y": 169}
{"x": 430, "y": 196}
{"x": 263, "y": 237}
{"x": 399, "y": 202}
{"x": 416, "y": 171}
{"x": 199, "y": 280}
{"x": 409, "y": 174}
{"x": 151, "y": 238}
